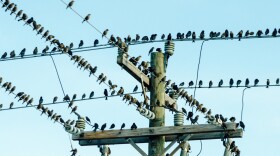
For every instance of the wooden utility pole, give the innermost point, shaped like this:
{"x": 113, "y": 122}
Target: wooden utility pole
{"x": 157, "y": 88}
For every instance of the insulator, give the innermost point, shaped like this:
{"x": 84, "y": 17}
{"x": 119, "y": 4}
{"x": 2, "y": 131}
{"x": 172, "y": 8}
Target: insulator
{"x": 105, "y": 150}
{"x": 146, "y": 113}
{"x": 178, "y": 119}
{"x": 72, "y": 130}
{"x": 81, "y": 123}
{"x": 169, "y": 47}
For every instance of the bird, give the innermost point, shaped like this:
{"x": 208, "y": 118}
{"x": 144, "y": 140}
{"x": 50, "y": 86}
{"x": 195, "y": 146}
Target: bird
{"x": 231, "y": 34}
{"x": 232, "y": 119}
{"x": 1, "y": 106}
{"x": 12, "y": 90}
{"x": 103, "y": 79}
{"x": 151, "y": 50}
{"x": 121, "y": 91}
{"x": 184, "y": 111}
{"x": 247, "y": 82}
{"x": 201, "y": 36}
{"x": 240, "y": 35}
{"x": 74, "y": 109}
{"x": 22, "y": 53}
{"x": 112, "y": 126}
{"x": 35, "y": 51}
{"x": 256, "y": 82}
{"x": 91, "y": 94}
{"x": 105, "y": 32}
{"x": 23, "y": 17}
{"x": 135, "y": 88}
{"x": 220, "y": 83}
{"x": 14, "y": 9}
{"x": 12, "y": 54}
{"x": 162, "y": 36}
{"x": 267, "y": 83}
{"x": 103, "y": 127}
{"x": 6, "y": 3}
{"x": 200, "y": 83}
{"x": 193, "y": 121}
{"x": 4, "y": 55}
{"x": 210, "y": 84}
{"x": 191, "y": 83}
{"x": 40, "y": 30}
{"x": 81, "y": 43}
{"x": 259, "y": 33}
{"x": 238, "y": 82}
{"x": 266, "y": 32}
{"x": 182, "y": 84}
{"x": 83, "y": 96}
{"x": 96, "y": 42}
{"x": 188, "y": 34}
{"x": 70, "y": 4}
{"x": 74, "y": 152}
{"x": 231, "y": 82}
{"x": 19, "y": 14}
{"x": 11, "y": 105}
{"x": 123, "y": 125}
{"x": 277, "y": 81}
{"x": 55, "y": 99}
{"x": 95, "y": 126}
{"x": 190, "y": 115}
{"x": 41, "y": 100}
{"x": 29, "y": 21}
{"x": 106, "y": 94}
{"x": 242, "y": 125}
{"x": 133, "y": 126}
{"x": 9, "y": 6}
{"x": 88, "y": 120}
{"x": 193, "y": 36}
{"x": 86, "y": 18}
{"x": 66, "y": 98}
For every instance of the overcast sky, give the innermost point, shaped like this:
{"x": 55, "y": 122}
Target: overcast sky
{"x": 24, "y": 132}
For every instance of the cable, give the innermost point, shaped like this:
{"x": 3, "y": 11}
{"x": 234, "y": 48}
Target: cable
{"x": 58, "y": 75}
{"x": 243, "y": 102}
{"x": 200, "y": 148}
{"x": 197, "y": 71}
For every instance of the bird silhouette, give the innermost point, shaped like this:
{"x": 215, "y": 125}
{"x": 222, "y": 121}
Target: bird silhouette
{"x": 123, "y": 125}
{"x": 6, "y": 3}
{"x": 19, "y": 14}
{"x": 74, "y": 109}
{"x": 242, "y": 125}
{"x": 81, "y": 44}
{"x": 201, "y": 36}
{"x": 14, "y": 9}
{"x": 191, "y": 83}
{"x": 277, "y": 81}
{"x": 193, "y": 36}
{"x": 86, "y": 18}
{"x": 29, "y": 21}
{"x": 256, "y": 82}
{"x": 210, "y": 84}
{"x": 133, "y": 126}
{"x": 74, "y": 152}
{"x": 266, "y": 32}
{"x": 231, "y": 34}
{"x": 188, "y": 34}
{"x": 238, "y": 82}
{"x": 96, "y": 42}
{"x": 87, "y": 119}
{"x": 267, "y": 83}
{"x": 200, "y": 83}
{"x": 231, "y": 82}
{"x": 162, "y": 36}
{"x": 11, "y": 105}
{"x": 22, "y": 53}
{"x": 91, "y": 94}
{"x": 66, "y": 98}
{"x": 106, "y": 94}
{"x": 259, "y": 33}
{"x": 55, "y": 99}
{"x": 220, "y": 83}
{"x": 105, "y": 32}
{"x": 12, "y": 54}
{"x": 190, "y": 115}
{"x": 95, "y": 126}
{"x": 4, "y": 55}
{"x": 83, "y": 96}
{"x": 184, "y": 111}
{"x": 135, "y": 88}
{"x": 103, "y": 127}
{"x": 150, "y": 51}
{"x": 240, "y": 33}
{"x": 41, "y": 100}
{"x": 112, "y": 126}
{"x": 194, "y": 121}
{"x": 70, "y": 4}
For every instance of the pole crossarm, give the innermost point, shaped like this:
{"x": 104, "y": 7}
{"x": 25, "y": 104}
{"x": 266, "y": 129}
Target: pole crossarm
{"x": 136, "y": 147}
{"x": 142, "y": 135}
{"x": 136, "y": 73}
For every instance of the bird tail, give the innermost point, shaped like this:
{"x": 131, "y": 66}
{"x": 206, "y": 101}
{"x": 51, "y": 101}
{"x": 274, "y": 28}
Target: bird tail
{"x": 11, "y": 13}
{"x": 83, "y": 21}
{"x": 67, "y": 7}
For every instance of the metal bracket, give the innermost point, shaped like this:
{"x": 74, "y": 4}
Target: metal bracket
{"x": 184, "y": 138}
{"x": 169, "y": 146}
{"x": 136, "y": 147}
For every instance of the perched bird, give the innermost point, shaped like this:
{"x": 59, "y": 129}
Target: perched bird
{"x": 106, "y": 94}
{"x": 105, "y": 32}
{"x": 103, "y": 127}
{"x": 231, "y": 82}
{"x": 133, "y": 126}
{"x": 22, "y": 53}
{"x": 112, "y": 126}
{"x": 6, "y": 3}
{"x": 191, "y": 83}
{"x": 4, "y": 55}
{"x": 11, "y": 105}
{"x": 135, "y": 88}
{"x": 184, "y": 111}
{"x": 231, "y": 34}
{"x": 210, "y": 84}
{"x": 14, "y": 9}
{"x": 277, "y": 81}
{"x": 190, "y": 115}
{"x": 238, "y": 82}
{"x": 1, "y": 106}
{"x": 81, "y": 43}
{"x": 188, "y": 34}
{"x": 162, "y": 36}
{"x": 19, "y": 14}
{"x": 123, "y": 125}
{"x": 95, "y": 126}
{"x": 267, "y": 83}
{"x": 247, "y": 82}
{"x": 240, "y": 33}
{"x": 182, "y": 84}
{"x": 88, "y": 120}
{"x": 66, "y": 98}
{"x": 169, "y": 37}
{"x": 121, "y": 91}
{"x": 194, "y": 121}
{"x": 274, "y": 33}
{"x": 137, "y": 38}
{"x": 74, "y": 109}
{"x": 256, "y": 82}
{"x": 86, "y": 18}
{"x": 91, "y": 94}
{"x": 55, "y": 99}
{"x": 259, "y": 33}
{"x": 232, "y": 119}
{"x": 70, "y": 4}
{"x": 193, "y": 36}
{"x": 201, "y": 36}
{"x": 41, "y": 100}
{"x": 9, "y": 7}
{"x": 200, "y": 83}
{"x": 96, "y": 42}
{"x": 12, "y": 54}
{"x": 266, "y": 32}
{"x": 150, "y": 51}
{"x": 23, "y": 17}
{"x": 220, "y": 83}
{"x": 29, "y": 21}
{"x": 40, "y": 30}
{"x": 242, "y": 125}
{"x": 74, "y": 152}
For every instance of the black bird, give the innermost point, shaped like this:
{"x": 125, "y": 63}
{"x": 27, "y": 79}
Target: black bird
{"x": 22, "y": 53}
{"x": 232, "y": 119}
{"x": 193, "y": 36}
{"x": 96, "y": 42}
{"x": 256, "y": 82}
{"x": 238, "y": 83}
{"x": 12, "y": 54}
{"x": 191, "y": 83}
{"x": 35, "y": 51}
{"x": 210, "y": 84}
{"x": 4, "y": 55}
{"x": 162, "y": 36}
{"x": 231, "y": 82}
{"x": 232, "y": 145}
{"x": 41, "y": 100}
{"x": 226, "y": 33}
{"x": 178, "y": 35}
{"x": 220, "y": 83}
{"x": 231, "y": 35}
{"x": 135, "y": 88}
{"x": 247, "y": 33}
{"x": 137, "y": 38}
{"x": 83, "y": 96}
{"x": 133, "y": 126}
{"x": 123, "y": 125}
{"x": 81, "y": 43}
{"x": 112, "y": 126}
{"x": 190, "y": 115}
{"x": 242, "y": 125}
{"x": 91, "y": 94}
{"x": 66, "y": 98}
{"x": 247, "y": 82}
{"x": 169, "y": 37}
{"x": 188, "y": 34}
{"x": 184, "y": 111}
{"x": 182, "y": 84}
{"x": 151, "y": 50}
{"x": 240, "y": 33}
{"x": 95, "y": 126}
{"x": 103, "y": 127}
{"x": 277, "y": 81}
{"x": 106, "y": 94}
{"x": 201, "y": 36}
{"x": 70, "y": 4}
{"x": 259, "y": 33}
{"x": 88, "y": 120}
{"x": 194, "y": 121}
{"x": 200, "y": 83}
{"x": 274, "y": 33}
{"x": 267, "y": 83}
{"x": 29, "y": 21}
{"x": 266, "y": 32}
